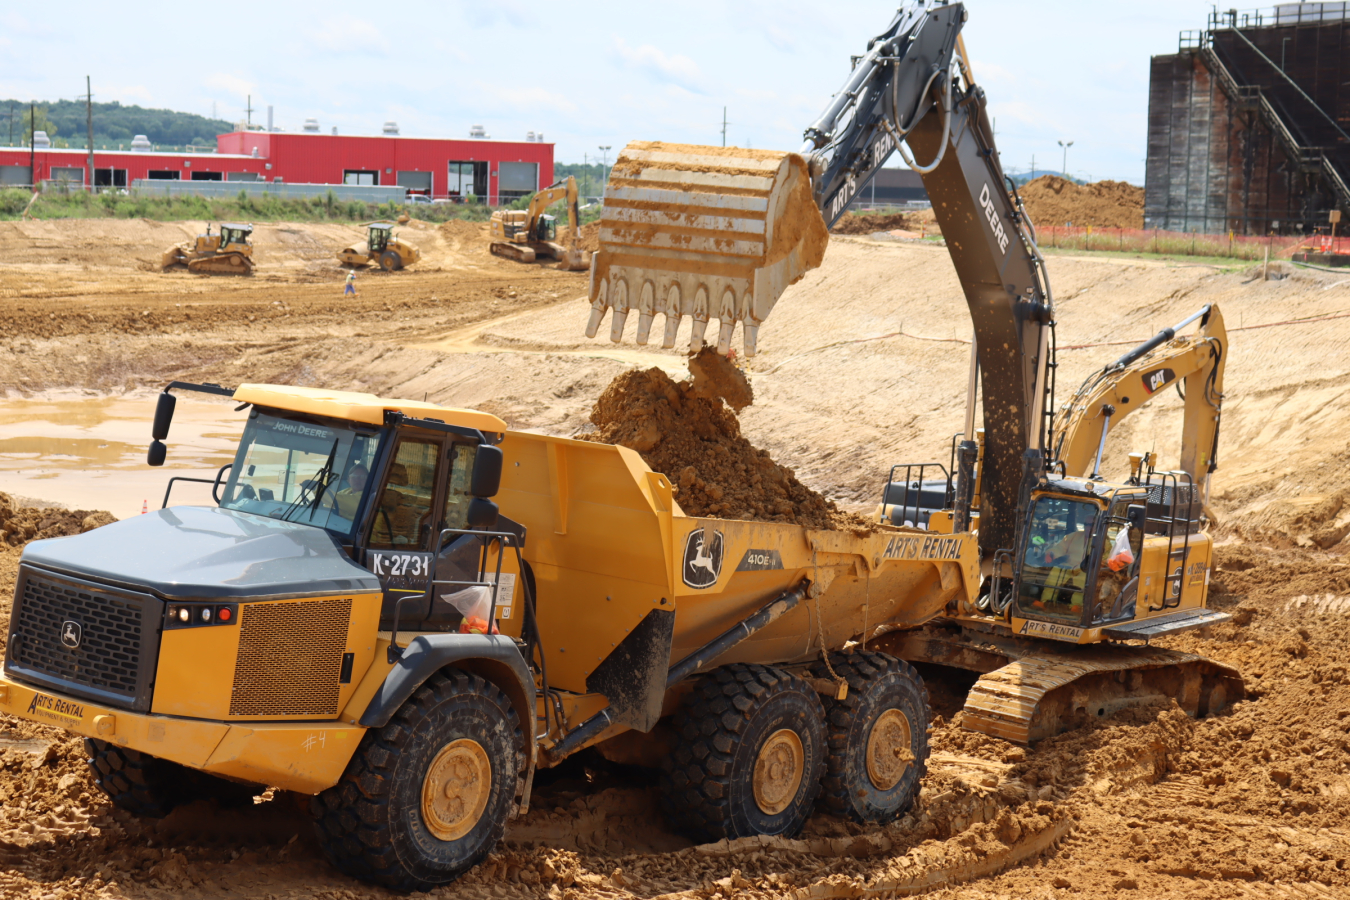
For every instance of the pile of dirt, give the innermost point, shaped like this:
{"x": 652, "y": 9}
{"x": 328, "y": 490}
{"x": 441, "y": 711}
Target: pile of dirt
{"x": 696, "y": 442}
{"x": 1051, "y": 200}
{"x": 865, "y": 223}
{"x": 589, "y": 240}
{"x": 21, "y": 524}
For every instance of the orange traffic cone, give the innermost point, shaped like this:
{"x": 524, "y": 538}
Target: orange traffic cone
{"x": 145, "y": 507}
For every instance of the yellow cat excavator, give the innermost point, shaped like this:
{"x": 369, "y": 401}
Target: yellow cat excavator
{"x": 1070, "y": 559}
{"x": 524, "y": 235}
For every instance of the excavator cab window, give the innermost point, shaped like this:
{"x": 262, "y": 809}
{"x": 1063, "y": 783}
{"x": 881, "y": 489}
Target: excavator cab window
{"x": 547, "y": 229}
{"x": 1054, "y": 572}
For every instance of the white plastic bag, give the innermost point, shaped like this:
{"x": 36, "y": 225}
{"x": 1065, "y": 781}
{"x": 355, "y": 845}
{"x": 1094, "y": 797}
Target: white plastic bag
{"x": 1122, "y": 555}
{"x": 474, "y": 604}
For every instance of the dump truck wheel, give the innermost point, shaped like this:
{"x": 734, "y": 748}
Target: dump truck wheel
{"x": 749, "y": 756}
{"x": 151, "y": 787}
{"x": 390, "y": 261}
{"x": 878, "y": 737}
{"x": 426, "y": 797}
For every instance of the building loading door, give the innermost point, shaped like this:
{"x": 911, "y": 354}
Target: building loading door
{"x": 365, "y": 179}
{"x": 162, "y": 175}
{"x": 243, "y": 176}
{"x": 110, "y": 178}
{"x": 467, "y": 178}
{"x": 207, "y": 176}
{"x": 16, "y": 175}
{"x": 516, "y": 179}
{"x": 415, "y": 182}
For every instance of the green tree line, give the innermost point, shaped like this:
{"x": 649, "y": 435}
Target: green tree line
{"x": 66, "y": 124}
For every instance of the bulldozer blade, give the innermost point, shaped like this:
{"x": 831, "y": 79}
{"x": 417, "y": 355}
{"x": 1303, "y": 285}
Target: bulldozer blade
{"x": 705, "y": 232}
{"x": 1039, "y": 696}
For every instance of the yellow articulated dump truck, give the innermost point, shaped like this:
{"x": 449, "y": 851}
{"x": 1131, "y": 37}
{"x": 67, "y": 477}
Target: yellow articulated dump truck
{"x": 404, "y": 610}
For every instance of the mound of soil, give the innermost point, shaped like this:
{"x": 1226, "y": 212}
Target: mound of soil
{"x": 863, "y": 223}
{"x": 696, "y": 442}
{"x": 21, "y": 524}
{"x": 1051, "y": 200}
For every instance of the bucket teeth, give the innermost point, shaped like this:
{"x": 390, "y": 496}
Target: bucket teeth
{"x": 704, "y": 232}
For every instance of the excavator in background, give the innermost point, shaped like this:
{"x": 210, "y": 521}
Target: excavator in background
{"x": 228, "y": 253}
{"x": 1069, "y": 561}
{"x": 524, "y": 235}
{"x": 380, "y": 247}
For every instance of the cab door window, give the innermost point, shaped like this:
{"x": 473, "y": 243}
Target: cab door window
{"x": 1117, "y": 572}
{"x": 403, "y": 507}
{"x": 1054, "y": 572}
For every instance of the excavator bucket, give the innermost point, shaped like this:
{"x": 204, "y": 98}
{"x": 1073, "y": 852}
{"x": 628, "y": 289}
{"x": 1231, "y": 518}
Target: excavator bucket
{"x": 705, "y": 232}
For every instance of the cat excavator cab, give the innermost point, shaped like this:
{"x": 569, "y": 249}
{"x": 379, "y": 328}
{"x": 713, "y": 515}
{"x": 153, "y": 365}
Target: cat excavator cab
{"x": 524, "y": 235}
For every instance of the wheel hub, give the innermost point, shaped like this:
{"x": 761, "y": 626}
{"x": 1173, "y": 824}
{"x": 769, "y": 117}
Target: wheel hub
{"x": 456, "y": 789}
{"x": 888, "y": 750}
{"x": 778, "y": 771}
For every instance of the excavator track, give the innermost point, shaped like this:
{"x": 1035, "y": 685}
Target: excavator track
{"x": 1041, "y": 695}
{"x": 222, "y": 264}
{"x": 513, "y": 252}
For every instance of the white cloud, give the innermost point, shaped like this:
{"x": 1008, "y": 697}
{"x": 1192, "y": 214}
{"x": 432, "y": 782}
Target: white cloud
{"x": 528, "y": 99}
{"x": 345, "y": 33}
{"x": 231, "y": 84}
{"x": 672, "y": 68}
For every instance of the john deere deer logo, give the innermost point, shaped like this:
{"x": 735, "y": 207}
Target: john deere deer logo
{"x": 71, "y": 633}
{"x": 702, "y": 564}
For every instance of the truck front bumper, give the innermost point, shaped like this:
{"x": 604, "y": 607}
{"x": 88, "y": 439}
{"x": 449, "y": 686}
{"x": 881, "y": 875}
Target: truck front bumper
{"x": 306, "y": 757}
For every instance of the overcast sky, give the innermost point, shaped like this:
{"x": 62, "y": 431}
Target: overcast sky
{"x": 593, "y": 74}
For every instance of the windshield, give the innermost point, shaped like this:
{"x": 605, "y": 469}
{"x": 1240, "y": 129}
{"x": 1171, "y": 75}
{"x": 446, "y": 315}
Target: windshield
{"x": 1054, "y": 567}
{"x": 300, "y": 471}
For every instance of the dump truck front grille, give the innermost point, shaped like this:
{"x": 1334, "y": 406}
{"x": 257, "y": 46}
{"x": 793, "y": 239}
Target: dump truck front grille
{"x": 84, "y": 639}
{"x": 290, "y": 658}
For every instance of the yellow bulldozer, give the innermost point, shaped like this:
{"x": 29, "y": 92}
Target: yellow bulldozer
{"x": 228, "y": 253}
{"x": 380, "y": 247}
{"x": 524, "y": 235}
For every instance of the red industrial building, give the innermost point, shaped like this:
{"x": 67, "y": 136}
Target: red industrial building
{"x": 496, "y": 170}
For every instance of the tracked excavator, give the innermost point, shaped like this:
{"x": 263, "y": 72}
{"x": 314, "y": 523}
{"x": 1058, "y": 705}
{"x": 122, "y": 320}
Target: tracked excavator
{"x": 524, "y": 235}
{"x": 227, "y": 253}
{"x": 1073, "y": 565}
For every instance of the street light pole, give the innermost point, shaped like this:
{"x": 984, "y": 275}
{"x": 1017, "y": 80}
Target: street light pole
{"x": 1064, "y": 169}
{"x": 604, "y": 167}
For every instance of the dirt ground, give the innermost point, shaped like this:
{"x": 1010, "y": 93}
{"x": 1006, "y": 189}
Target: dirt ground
{"x": 862, "y": 365}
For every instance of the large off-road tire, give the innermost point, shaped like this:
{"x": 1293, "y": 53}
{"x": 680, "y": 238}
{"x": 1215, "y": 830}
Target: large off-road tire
{"x": 426, "y": 797}
{"x": 152, "y": 788}
{"x": 749, "y": 755}
{"x": 878, "y": 737}
{"x": 390, "y": 261}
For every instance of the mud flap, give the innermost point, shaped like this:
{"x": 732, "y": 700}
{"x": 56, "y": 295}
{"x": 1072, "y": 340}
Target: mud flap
{"x": 633, "y": 677}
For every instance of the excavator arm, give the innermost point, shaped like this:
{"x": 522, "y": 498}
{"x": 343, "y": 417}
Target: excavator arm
{"x": 1194, "y": 363}
{"x": 713, "y": 232}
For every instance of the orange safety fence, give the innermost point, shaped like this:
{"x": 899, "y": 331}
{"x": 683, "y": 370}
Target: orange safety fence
{"x": 1176, "y": 243}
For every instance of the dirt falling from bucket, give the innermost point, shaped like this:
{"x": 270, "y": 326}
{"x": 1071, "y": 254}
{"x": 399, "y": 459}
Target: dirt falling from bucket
{"x": 695, "y": 441}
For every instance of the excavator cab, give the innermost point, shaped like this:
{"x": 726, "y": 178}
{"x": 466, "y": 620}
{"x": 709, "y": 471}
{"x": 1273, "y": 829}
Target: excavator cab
{"x": 547, "y": 229}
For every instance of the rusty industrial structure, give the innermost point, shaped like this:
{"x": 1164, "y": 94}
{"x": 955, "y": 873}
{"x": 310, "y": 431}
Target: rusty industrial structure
{"x": 1248, "y": 121}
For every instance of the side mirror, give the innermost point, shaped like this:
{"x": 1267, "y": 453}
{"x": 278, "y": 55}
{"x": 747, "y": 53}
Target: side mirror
{"x": 156, "y": 454}
{"x": 481, "y": 514}
{"x": 163, "y": 416}
{"x": 487, "y": 472}
{"x": 1137, "y": 516}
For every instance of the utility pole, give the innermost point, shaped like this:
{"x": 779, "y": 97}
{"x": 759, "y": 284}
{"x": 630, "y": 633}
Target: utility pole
{"x": 89, "y": 121}
{"x": 604, "y": 166}
{"x": 724, "y": 126}
{"x": 248, "y": 112}
{"x": 11, "y": 123}
{"x": 32, "y": 151}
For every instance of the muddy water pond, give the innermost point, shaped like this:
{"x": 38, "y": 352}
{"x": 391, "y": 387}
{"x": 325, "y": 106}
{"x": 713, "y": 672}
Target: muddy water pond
{"x": 85, "y": 451}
